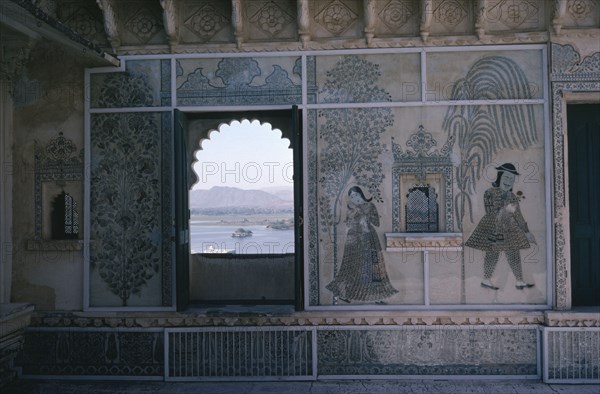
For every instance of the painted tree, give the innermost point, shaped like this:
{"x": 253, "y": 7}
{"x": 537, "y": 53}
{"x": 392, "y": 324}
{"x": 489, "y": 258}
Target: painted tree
{"x": 125, "y": 202}
{"x": 351, "y": 140}
{"x": 484, "y": 130}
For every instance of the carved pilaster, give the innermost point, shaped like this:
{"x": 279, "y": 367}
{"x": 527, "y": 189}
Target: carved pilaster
{"x": 426, "y": 18}
{"x": 303, "y": 22}
{"x": 560, "y": 9}
{"x": 14, "y": 55}
{"x": 237, "y": 20}
{"x": 481, "y": 18}
{"x": 170, "y": 21}
{"x": 370, "y": 20}
{"x": 110, "y": 23}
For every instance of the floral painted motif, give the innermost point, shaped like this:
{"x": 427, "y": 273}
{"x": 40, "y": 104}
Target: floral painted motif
{"x": 238, "y": 85}
{"x": 483, "y": 130}
{"x": 352, "y": 141}
{"x": 126, "y": 249}
{"x": 124, "y": 90}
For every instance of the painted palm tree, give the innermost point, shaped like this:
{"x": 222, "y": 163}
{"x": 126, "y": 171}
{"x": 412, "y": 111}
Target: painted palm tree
{"x": 483, "y": 130}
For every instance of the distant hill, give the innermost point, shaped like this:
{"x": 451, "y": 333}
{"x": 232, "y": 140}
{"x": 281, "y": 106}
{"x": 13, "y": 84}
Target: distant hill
{"x": 232, "y": 197}
{"x": 285, "y": 193}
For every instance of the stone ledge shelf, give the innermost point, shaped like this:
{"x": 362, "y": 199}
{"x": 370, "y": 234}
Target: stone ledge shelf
{"x": 423, "y": 242}
{"x": 64, "y": 245}
{"x": 13, "y": 320}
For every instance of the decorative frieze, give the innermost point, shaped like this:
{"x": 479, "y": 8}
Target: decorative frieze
{"x": 427, "y": 351}
{"x": 100, "y": 352}
{"x": 432, "y": 241}
{"x": 572, "y": 319}
{"x": 191, "y": 319}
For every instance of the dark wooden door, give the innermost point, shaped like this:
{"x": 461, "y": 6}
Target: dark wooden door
{"x": 584, "y": 198}
{"x": 298, "y": 210}
{"x": 182, "y": 216}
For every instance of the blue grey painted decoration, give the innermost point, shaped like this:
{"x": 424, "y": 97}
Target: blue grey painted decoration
{"x": 130, "y": 210}
{"x": 428, "y": 352}
{"x": 103, "y": 352}
{"x": 58, "y": 161}
{"x": 235, "y": 84}
{"x": 144, "y": 83}
{"x": 351, "y": 144}
{"x": 482, "y": 131}
{"x": 421, "y": 158}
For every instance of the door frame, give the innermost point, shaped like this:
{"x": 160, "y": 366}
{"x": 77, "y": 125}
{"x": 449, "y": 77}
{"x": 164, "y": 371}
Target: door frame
{"x": 565, "y": 93}
{"x": 289, "y": 121}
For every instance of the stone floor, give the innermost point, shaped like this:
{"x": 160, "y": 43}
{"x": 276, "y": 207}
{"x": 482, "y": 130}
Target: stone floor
{"x": 319, "y": 387}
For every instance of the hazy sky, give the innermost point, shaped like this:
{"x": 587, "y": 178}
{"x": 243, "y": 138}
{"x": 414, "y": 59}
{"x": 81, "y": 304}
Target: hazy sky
{"x": 244, "y": 155}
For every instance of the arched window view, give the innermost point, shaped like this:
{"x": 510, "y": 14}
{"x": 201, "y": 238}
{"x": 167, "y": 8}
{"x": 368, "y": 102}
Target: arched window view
{"x": 243, "y": 201}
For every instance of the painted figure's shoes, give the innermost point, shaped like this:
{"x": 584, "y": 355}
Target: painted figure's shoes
{"x": 522, "y": 285}
{"x": 488, "y": 285}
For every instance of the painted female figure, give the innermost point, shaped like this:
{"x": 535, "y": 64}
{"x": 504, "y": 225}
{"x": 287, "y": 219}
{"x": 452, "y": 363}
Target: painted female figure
{"x": 502, "y": 228}
{"x": 362, "y": 275}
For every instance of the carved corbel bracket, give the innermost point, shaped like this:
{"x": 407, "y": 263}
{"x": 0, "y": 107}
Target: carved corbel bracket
{"x": 370, "y": 20}
{"x": 237, "y": 20}
{"x": 303, "y": 22}
{"x": 426, "y": 18}
{"x": 110, "y": 23}
{"x": 170, "y": 21}
{"x": 481, "y": 18}
{"x": 560, "y": 9}
{"x": 14, "y": 57}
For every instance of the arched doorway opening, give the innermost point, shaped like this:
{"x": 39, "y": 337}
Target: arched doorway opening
{"x": 233, "y": 271}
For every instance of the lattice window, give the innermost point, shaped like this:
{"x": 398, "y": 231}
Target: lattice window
{"x": 421, "y": 209}
{"x": 65, "y": 219}
{"x": 71, "y": 216}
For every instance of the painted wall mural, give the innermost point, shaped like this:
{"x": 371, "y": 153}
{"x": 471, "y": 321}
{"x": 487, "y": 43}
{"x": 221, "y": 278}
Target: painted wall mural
{"x": 145, "y": 83}
{"x": 352, "y": 139}
{"x": 502, "y": 228}
{"x": 363, "y": 186}
{"x": 374, "y": 134}
{"x": 130, "y": 209}
{"x": 482, "y": 131}
{"x": 239, "y": 81}
{"x": 362, "y": 275}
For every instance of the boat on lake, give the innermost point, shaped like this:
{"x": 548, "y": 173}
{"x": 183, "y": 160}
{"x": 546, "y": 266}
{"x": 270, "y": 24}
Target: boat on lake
{"x": 212, "y": 249}
{"x": 241, "y": 233}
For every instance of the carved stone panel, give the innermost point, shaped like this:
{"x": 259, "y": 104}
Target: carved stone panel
{"x": 491, "y": 351}
{"x": 130, "y": 210}
{"x": 145, "y": 83}
{"x": 452, "y": 17}
{"x": 205, "y": 21}
{"x": 103, "y": 352}
{"x": 515, "y": 15}
{"x": 239, "y": 81}
{"x": 271, "y": 20}
{"x": 337, "y": 18}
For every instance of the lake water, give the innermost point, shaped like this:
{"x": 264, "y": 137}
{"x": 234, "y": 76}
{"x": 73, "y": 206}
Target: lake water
{"x": 206, "y": 234}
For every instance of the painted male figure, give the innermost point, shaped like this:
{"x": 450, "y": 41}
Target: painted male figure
{"x": 502, "y": 228}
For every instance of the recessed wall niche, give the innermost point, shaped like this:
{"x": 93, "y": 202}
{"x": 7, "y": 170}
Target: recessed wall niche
{"x": 58, "y": 195}
{"x": 422, "y": 185}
